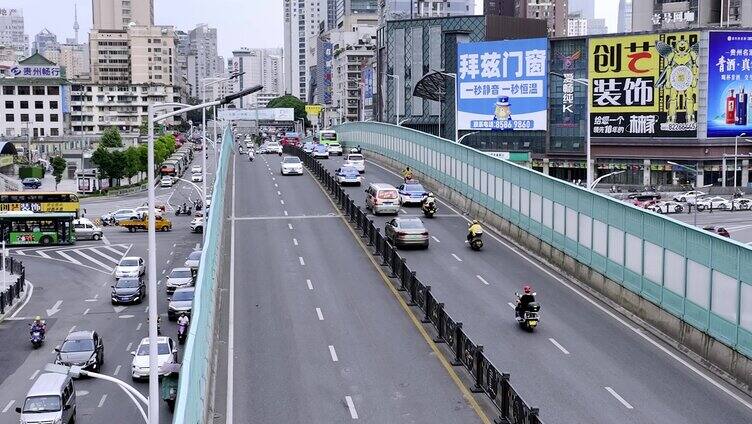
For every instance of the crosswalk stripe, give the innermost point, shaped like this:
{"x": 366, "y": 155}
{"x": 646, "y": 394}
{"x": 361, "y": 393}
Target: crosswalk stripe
{"x": 109, "y": 258}
{"x": 42, "y": 254}
{"x": 80, "y": 252}
{"x": 113, "y": 250}
{"x": 68, "y": 257}
{"x": 20, "y": 252}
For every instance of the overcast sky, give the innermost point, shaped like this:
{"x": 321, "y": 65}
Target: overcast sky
{"x": 239, "y": 23}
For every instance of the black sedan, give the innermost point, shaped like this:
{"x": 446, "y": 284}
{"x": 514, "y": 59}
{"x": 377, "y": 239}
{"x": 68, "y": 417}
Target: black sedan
{"x": 406, "y": 232}
{"x": 81, "y": 348}
{"x": 128, "y": 290}
{"x": 31, "y": 182}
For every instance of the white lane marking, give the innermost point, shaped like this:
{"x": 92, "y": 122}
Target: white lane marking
{"x": 105, "y": 240}
{"x": 172, "y": 252}
{"x": 282, "y": 202}
{"x": 229, "y": 407}
{"x": 167, "y": 262}
{"x": 295, "y": 241}
{"x": 33, "y": 376}
{"x": 435, "y": 239}
{"x": 482, "y": 280}
{"x": 289, "y": 226}
{"x": 561, "y": 348}
{"x": 403, "y": 211}
{"x": 274, "y": 179}
{"x": 351, "y": 407}
{"x": 125, "y": 316}
{"x": 128, "y": 348}
{"x": 300, "y": 258}
{"x": 103, "y": 265}
{"x": 72, "y": 329}
{"x": 602, "y": 308}
{"x": 86, "y": 311}
{"x": 285, "y": 213}
{"x": 101, "y": 401}
{"x": 20, "y": 252}
{"x": 113, "y": 250}
{"x": 275, "y": 185}
{"x": 319, "y": 314}
{"x": 279, "y": 193}
{"x": 333, "y": 353}
{"x": 457, "y": 257}
{"x": 44, "y": 255}
{"x": 174, "y": 245}
{"x": 110, "y": 258}
{"x": 619, "y": 398}
{"x": 138, "y": 327}
{"x": 197, "y": 247}
{"x": 117, "y": 370}
{"x": 69, "y": 258}
{"x": 511, "y": 305}
{"x": 28, "y": 297}
{"x": 7, "y": 407}
{"x": 310, "y": 284}
{"x": 146, "y": 310}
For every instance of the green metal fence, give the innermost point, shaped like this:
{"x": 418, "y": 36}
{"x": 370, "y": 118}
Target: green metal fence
{"x": 702, "y": 278}
{"x": 192, "y": 402}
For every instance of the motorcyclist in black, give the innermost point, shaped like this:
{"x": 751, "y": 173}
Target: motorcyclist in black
{"x": 525, "y": 299}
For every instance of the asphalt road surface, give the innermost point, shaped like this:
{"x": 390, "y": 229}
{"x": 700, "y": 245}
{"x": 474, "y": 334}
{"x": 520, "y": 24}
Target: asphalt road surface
{"x": 738, "y": 223}
{"x": 318, "y": 337}
{"x": 77, "y": 278}
{"x": 585, "y": 363}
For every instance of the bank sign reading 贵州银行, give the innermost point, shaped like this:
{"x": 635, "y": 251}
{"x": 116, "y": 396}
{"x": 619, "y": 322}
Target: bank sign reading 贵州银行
{"x": 502, "y": 85}
{"x": 729, "y": 83}
{"x": 644, "y": 85}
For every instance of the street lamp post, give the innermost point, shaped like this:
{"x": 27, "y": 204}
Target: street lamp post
{"x": 603, "y": 177}
{"x": 588, "y": 155}
{"x": 396, "y": 95}
{"x": 456, "y": 127}
{"x": 468, "y": 134}
{"x": 152, "y": 239}
{"x": 736, "y": 155}
{"x": 696, "y": 172}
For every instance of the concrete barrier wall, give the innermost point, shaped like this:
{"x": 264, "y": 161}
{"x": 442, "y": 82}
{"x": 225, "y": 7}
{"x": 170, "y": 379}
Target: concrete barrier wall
{"x": 590, "y": 238}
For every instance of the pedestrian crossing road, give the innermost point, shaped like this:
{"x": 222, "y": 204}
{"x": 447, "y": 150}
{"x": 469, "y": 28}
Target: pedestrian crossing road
{"x": 101, "y": 258}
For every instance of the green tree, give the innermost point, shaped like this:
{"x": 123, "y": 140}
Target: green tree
{"x": 111, "y": 138}
{"x": 195, "y": 116}
{"x": 102, "y": 158}
{"x": 59, "y": 165}
{"x": 117, "y": 166}
{"x": 132, "y": 163}
{"x": 290, "y": 101}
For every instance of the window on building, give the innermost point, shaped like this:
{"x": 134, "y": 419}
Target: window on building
{"x": 38, "y": 104}
{"x": 53, "y": 90}
{"x": 9, "y": 117}
{"x": 54, "y": 131}
{"x": 9, "y": 104}
{"x": 54, "y": 117}
{"x": 9, "y": 90}
{"x": 23, "y": 104}
{"x": 24, "y": 90}
{"x": 24, "y": 117}
{"x": 39, "y": 117}
{"x": 53, "y": 104}
{"x": 38, "y": 90}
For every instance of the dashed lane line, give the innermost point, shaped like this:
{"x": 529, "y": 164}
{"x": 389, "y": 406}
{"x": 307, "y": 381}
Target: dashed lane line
{"x": 619, "y": 398}
{"x": 7, "y": 407}
{"x": 333, "y": 353}
{"x": 351, "y": 407}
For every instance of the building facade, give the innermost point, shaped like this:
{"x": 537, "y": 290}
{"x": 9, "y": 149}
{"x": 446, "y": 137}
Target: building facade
{"x": 625, "y": 16}
{"x": 350, "y": 51}
{"x": 152, "y": 54}
{"x": 74, "y": 58}
{"x": 202, "y": 60}
{"x": 36, "y": 102}
{"x": 302, "y": 20}
{"x": 44, "y": 41}
{"x": 498, "y": 7}
{"x": 260, "y": 67}
{"x": 12, "y": 35}
{"x": 118, "y": 14}
{"x": 554, "y": 12}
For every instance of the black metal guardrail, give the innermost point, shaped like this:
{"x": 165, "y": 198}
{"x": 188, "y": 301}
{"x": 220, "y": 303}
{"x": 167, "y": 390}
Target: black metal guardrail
{"x": 14, "y": 289}
{"x": 486, "y": 376}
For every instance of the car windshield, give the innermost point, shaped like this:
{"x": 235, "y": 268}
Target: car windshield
{"x": 321, "y": 148}
{"x": 183, "y": 295}
{"x": 349, "y": 171}
{"x": 81, "y": 345}
{"x": 181, "y": 273}
{"x": 387, "y": 194}
{"x": 129, "y": 262}
{"x": 334, "y": 145}
{"x": 355, "y": 157}
{"x": 194, "y": 256}
{"x": 414, "y": 187}
{"x": 291, "y": 160}
{"x": 127, "y": 283}
{"x": 35, "y": 404}
{"x": 328, "y": 136}
{"x": 162, "y": 349}
{"x": 124, "y": 211}
{"x": 412, "y": 224}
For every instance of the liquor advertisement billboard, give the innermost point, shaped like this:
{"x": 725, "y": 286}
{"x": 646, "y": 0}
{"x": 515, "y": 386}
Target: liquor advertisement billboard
{"x": 644, "y": 85}
{"x": 502, "y": 85}
{"x": 729, "y": 83}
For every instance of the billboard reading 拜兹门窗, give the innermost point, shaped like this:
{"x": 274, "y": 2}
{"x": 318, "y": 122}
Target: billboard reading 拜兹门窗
{"x": 502, "y": 85}
{"x": 729, "y": 83}
{"x": 644, "y": 85}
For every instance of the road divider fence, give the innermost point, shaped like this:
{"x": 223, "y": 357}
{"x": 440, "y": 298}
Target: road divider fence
{"x": 486, "y": 377}
{"x": 13, "y": 288}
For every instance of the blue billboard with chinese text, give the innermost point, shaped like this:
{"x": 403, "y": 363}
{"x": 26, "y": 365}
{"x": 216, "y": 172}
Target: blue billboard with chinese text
{"x": 729, "y": 83}
{"x": 502, "y": 85}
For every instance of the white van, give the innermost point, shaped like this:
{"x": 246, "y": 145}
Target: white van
{"x": 382, "y": 198}
{"x": 86, "y": 230}
{"x": 52, "y": 399}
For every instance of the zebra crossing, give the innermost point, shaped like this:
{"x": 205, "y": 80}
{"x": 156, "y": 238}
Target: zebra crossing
{"x": 102, "y": 258}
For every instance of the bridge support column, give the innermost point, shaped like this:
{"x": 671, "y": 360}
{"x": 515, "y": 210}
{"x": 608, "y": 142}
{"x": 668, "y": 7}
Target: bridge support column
{"x": 646, "y": 172}
{"x": 546, "y": 164}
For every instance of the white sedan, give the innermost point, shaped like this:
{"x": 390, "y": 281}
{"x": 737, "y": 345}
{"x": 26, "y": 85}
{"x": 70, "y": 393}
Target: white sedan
{"x": 742, "y": 203}
{"x": 689, "y": 197}
{"x": 291, "y": 166}
{"x": 167, "y": 353}
{"x": 356, "y": 161}
{"x": 197, "y": 177}
{"x": 716, "y": 202}
{"x": 667, "y": 207}
{"x": 167, "y": 181}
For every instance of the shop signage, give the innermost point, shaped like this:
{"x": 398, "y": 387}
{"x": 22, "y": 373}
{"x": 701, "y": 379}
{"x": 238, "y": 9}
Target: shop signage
{"x": 729, "y": 83}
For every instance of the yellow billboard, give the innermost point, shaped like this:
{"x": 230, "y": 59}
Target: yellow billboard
{"x": 644, "y": 85}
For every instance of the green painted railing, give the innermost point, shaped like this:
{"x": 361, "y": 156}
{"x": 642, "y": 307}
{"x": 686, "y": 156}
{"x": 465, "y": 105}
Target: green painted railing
{"x": 193, "y": 392}
{"x": 702, "y": 278}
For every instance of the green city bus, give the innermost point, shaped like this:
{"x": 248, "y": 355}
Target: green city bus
{"x": 328, "y": 137}
{"x": 28, "y": 228}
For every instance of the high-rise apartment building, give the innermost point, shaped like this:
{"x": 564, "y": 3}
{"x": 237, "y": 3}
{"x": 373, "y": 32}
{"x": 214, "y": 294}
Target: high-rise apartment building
{"x": 12, "y": 35}
{"x": 554, "y": 12}
{"x": 44, "y": 41}
{"x": 260, "y": 67}
{"x": 117, "y": 14}
{"x": 301, "y": 22}
{"x": 409, "y": 9}
{"x": 202, "y": 59}
{"x": 625, "y": 16}
{"x": 585, "y": 8}
{"x": 498, "y": 7}
{"x": 650, "y": 15}
{"x": 73, "y": 57}
{"x": 182, "y": 48}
